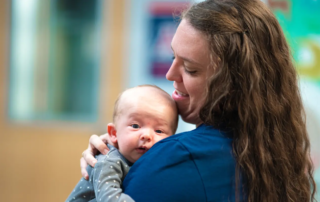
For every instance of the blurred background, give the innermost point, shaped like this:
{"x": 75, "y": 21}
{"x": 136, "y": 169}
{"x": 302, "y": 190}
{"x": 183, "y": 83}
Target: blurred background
{"x": 64, "y": 62}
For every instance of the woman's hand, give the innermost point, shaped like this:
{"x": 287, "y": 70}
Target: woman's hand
{"x": 96, "y": 144}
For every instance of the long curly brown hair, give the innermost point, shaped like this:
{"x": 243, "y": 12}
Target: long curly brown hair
{"x": 254, "y": 92}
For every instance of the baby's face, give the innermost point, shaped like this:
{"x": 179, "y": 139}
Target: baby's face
{"x": 145, "y": 117}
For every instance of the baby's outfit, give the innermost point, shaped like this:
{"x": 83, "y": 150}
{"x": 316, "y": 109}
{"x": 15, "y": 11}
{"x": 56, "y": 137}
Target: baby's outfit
{"x": 105, "y": 179}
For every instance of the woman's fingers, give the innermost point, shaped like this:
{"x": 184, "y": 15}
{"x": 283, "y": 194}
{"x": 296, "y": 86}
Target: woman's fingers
{"x": 83, "y": 166}
{"x": 99, "y": 143}
{"x": 105, "y": 138}
{"x": 88, "y": 156}
{"x": 96, "y": 145}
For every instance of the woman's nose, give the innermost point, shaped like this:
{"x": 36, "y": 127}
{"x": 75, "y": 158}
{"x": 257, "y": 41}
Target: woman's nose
{"x": 173, "y": 73}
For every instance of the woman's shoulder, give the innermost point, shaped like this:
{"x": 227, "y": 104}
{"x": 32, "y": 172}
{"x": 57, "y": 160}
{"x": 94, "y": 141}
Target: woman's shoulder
{"x": 203, "y": 134}
{"x": 195, "y": 162}
{"x": 204, "y": 139}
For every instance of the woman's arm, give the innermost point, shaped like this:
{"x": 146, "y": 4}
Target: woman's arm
{"x": 96, "y": 144}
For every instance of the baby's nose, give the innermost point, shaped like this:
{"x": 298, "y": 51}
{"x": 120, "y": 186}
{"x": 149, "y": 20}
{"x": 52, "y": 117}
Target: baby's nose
{"x": 146, "y": 135}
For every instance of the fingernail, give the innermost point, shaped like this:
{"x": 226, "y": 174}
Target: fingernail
{"x": 94, "y": 162}
{"x": 105, "y": 151}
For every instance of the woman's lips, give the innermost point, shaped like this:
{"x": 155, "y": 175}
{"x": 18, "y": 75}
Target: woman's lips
{"x": 177, "y": 95}
{"x": 181, "y": 94}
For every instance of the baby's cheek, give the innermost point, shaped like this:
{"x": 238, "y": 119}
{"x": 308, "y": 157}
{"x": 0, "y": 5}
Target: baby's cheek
{"x": 160, "y": 138}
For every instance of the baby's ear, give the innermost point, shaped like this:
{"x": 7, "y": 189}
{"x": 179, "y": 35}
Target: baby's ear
{"x": 112, "y": 133}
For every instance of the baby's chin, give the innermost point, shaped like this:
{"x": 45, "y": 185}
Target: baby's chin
{"x": 133, "y": 159}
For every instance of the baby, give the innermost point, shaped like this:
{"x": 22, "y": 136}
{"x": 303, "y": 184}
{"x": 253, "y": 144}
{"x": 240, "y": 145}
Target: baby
{"x": 142, "y": 116}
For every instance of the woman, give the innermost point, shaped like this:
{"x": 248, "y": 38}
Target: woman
{"x": 235, "y": 80}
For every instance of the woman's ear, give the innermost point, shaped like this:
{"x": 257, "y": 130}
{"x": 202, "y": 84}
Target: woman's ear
{"x": 112, "y": 133}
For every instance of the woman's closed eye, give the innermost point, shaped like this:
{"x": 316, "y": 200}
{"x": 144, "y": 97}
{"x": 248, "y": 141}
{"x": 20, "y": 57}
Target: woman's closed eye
{"x": 135, "y": 126}
{"x": 191, "y": 72}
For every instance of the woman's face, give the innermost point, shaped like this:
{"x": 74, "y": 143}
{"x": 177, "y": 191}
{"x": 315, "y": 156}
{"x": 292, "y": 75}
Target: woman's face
{"x": 189, "y": 71}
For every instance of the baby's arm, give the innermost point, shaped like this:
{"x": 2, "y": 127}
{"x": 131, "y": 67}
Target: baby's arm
{"x": 107, "y": 177}
{"x": 83, "y": 191}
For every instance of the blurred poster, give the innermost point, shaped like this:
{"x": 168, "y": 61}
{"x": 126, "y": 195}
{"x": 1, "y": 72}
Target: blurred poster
{"x": 162, "y": 28}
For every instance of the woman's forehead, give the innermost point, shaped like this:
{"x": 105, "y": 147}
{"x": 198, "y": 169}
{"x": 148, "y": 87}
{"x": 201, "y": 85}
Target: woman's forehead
{"x": 190, "y": 44}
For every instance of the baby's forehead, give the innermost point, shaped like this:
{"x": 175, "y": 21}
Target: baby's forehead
{"x": 148, "y": 101}
{"x": 145, "y": 101}
{"x": 146, "y": 98}
{"x": 146, "y": 93}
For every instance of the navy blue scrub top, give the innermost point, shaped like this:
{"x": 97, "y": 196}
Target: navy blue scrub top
{"x": 192, "y": 166}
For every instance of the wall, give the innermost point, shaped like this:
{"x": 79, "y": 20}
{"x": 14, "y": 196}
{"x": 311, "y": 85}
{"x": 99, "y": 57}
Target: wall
{"x": 40, "y": 162}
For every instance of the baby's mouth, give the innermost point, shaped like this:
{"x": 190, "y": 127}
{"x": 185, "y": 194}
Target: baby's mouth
{"x": 142, "y": 149}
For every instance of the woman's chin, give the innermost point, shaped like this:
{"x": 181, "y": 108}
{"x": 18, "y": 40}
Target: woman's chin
{"x": 192, "y": 118}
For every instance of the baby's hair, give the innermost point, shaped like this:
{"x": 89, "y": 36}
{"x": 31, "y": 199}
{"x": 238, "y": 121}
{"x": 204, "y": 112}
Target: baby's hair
{"x": 116, "y": 104}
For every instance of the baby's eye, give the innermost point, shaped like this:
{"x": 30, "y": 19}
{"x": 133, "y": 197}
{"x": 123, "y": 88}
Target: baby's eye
{"x": 159, "y": 131}
{"x": 136, "y": 126}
